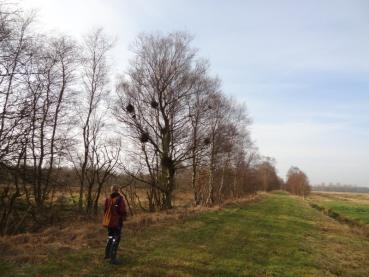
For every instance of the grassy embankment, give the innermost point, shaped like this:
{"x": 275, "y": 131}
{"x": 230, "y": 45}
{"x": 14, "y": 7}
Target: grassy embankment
{"x": 280, "y": 235}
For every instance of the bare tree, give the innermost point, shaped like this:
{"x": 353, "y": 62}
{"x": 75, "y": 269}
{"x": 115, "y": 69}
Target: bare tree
{"x": 198, "y": 109}
{"x": 35, "y": 80}
{"x": 15, "y": 38}
{"x": 106, "y": 160}
{"x": 95, "y": 156}
{"x": 297, "y": 182}
{"x": 217, "y": 121}
{"x": 49, "y": 90}
{"x": 15, "y": 54}
{"x": 153, "y": 104}
{"x": 267, "y": 174}
{"x": 175, "y": 116}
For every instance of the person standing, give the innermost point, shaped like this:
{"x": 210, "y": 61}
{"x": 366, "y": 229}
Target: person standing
{"x": 114, "y": 215}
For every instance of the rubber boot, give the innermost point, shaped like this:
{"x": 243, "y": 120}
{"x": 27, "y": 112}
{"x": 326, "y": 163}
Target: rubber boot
{"x": 113, "y": 252}
{"x": 108, "y": 248}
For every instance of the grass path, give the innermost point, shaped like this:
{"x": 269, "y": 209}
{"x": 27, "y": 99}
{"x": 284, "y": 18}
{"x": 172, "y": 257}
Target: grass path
{"x": 280, "y": 235}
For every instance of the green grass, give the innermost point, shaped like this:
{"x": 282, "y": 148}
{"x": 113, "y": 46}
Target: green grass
{"x": 351, "y": 206}
{"x": 280, "y": 235}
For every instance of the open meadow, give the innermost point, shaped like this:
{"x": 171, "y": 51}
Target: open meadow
{"x": 352, "y": 208}
{"x": 274, "y": 234}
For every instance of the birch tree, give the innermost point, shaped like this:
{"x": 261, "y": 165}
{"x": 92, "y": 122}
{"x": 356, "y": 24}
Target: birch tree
{"x": 153, "y": 104}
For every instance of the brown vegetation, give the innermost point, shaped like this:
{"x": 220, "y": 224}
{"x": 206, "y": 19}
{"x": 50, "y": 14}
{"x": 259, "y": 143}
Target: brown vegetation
{"x": 81, "y": 233}
{"x": 297, "y": 182}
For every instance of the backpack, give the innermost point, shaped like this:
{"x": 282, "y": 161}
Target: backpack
{"x": 109, "y": 212}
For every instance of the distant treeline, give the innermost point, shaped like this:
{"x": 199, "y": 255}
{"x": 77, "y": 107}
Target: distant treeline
{"x": 340, "y": 188}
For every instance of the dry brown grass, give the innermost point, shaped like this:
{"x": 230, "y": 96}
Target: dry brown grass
{"x": 36, "y": 247}
{"x": 343, "y": 196}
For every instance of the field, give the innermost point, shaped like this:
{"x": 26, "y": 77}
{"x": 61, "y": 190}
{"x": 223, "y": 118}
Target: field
{"x": 275, "y": 234}
{"x": 350, "y": 207}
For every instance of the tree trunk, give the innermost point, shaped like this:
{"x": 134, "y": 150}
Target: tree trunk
{"x": 168, "y": 177}
{"x": 210, "y": 198}
{"x": 194, "y": 181}
{"x": 220, "y": 191}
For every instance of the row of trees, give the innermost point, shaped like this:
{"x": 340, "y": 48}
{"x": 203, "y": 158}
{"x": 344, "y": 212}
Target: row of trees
{"x": 52, "y": 90}
{"x": 340, "y": 188}
{"x": 167, "y": 120}
{"x": 176, "y": 117}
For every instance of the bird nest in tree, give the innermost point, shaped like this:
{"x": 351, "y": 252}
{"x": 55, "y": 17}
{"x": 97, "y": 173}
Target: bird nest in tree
{"x": 167, "y": 161}
{"x": 154, "y": 104}
{"x": 206, "y": 141}
{"x": 130, "y": 108}
{"x": 144, "y": 137}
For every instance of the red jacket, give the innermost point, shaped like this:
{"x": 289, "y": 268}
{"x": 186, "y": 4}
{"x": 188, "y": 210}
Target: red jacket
{"x": 114, "y": 211}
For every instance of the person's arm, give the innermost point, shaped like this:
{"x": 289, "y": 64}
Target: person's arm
{"x": 122, "y": 209}
{"x": 106, "y": 205}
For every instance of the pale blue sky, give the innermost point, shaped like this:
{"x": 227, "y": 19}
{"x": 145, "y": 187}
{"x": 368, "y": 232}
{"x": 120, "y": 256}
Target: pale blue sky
{"x": 302, "y": 68}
